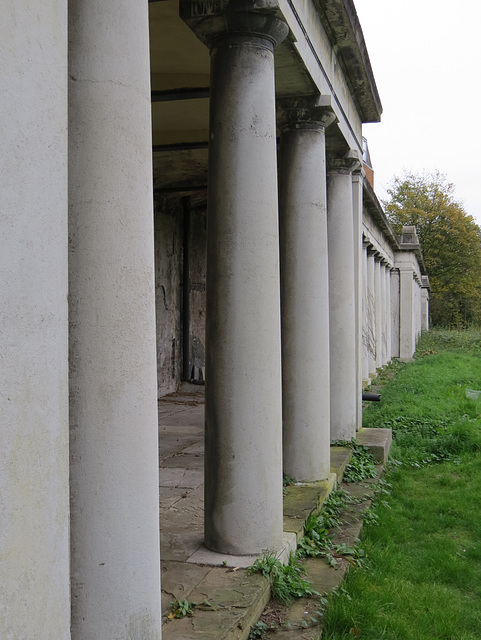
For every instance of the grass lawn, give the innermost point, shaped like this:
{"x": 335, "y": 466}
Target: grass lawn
{"x": 423, "y": 574}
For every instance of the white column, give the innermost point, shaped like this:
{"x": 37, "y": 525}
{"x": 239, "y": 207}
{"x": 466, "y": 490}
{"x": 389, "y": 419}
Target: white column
{"x": 34, "y": 494}
{"x": 304, "y": 291}
{"x": 365, "y": 314}
{"x": 417, "y": 288}
{"x": 342, "y": 298}
{"x": 383, "y": 313}
{"x": 371, "y": 310}
{"x": 378, "y": 307}
{"x": 357, "y": 191}
{"x": 113, "y": 390}
{"x": 243, "y": 412}
{"x": 395, "y": 309}
{"x": 388, "y": 315}
{"x": 425, "y": 304}
{"x": 406, "y": 313}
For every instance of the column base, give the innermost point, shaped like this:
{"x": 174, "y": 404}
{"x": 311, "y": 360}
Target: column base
{"x": 210, "y": 558}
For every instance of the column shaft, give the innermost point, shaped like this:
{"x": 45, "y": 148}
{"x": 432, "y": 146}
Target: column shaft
{"x": 378, "y": 304}
{"x": 388, "y": 316}
{"x": 34, "y": 474}
{"x": 342, "y": 304}
{"x": 406, "y": 314}
{"x": 357, "y": 191}
{"x": 243, "y": 439}
{"x": 371, "y": 312}
{"x": 365, "y": 314}
{"x": 113, "y": 390}
{"x": 304, "y": 302}
{"x": 383, "y": 314}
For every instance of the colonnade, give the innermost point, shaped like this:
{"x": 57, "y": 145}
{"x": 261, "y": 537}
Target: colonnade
{"x": 247, "y": 398}
{"x": 80, "y": 539}
{"x": 395, "y": 297}
{"x": 285, "y": 317}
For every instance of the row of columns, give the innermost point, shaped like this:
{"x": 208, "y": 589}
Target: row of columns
{"x": 377, "y": 311}
{"x": 93, "y": 229}
{"x": 80, "y": 539}
{"x": 279, "y": 351}
{"x": 395, "y": 306}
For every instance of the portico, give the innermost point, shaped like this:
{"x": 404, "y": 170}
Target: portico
{"x": 244, "y": 270}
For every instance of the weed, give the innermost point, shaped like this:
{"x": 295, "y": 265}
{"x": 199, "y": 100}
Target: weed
{"x": 362, "y": 464}
{"x": 287, "y": 481}
{"x": 286, "y": 581}
{"x": 180, "y": 609}
{"x": 258, "y": 630}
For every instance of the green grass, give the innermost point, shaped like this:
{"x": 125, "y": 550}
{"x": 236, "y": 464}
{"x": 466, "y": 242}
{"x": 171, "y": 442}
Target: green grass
{"x": 423, "y": 551}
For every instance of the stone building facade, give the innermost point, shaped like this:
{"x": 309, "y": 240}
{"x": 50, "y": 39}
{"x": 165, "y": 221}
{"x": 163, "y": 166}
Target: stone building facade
{"x": 107, "y": 302}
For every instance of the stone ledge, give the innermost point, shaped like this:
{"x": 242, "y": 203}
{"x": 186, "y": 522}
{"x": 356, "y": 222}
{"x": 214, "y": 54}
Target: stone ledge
{"x": 378, "y": 441}
{"x": 229, "y": 600}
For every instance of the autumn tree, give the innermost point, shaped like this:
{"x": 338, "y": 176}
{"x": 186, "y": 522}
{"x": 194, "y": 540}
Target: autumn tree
{"x": 450, "y": 242}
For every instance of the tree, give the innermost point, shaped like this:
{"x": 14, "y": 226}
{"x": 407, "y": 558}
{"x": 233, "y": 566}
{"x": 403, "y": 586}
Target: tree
{"x": 450, "y": 242}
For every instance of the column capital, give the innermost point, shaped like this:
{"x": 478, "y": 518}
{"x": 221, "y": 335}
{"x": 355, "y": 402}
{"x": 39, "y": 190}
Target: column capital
{"x": 347, "y": 164}
{"x": 306, "y": 113}
{"x": 248, "y": 19}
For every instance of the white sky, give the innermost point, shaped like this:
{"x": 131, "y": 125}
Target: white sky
{"x": 426, "y": 57}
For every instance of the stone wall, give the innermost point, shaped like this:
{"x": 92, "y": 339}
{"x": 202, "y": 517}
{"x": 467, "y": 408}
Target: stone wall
{"x": 168, "y": 292}
{"x": 169, "y": 223}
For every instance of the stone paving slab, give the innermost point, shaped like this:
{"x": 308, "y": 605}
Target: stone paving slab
{"x": 172, "y": 444}
{"x": 195, "y": 449}
{"x": 229, "y": 603}
{"x": 184, "y": 461}
{"x": 178, "y": 477}
{"x": 168, "y": 496}
{"x": 182, "y": 526}
{"x": 179, "y": 579}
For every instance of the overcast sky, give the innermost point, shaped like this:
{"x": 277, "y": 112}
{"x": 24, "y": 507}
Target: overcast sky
{"x": 425, "y": 55}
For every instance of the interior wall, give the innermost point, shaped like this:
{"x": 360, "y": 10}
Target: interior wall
{"x": 168, "y": 292}
{"x": 169, "y": 282}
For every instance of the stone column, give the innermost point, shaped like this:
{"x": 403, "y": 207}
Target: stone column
{"x": 425, "y": 303}
{"x": 371, "y": 310}
{"x": 243, "y": 412}
{"x": 113, "y": 412}
{"x": 304, "y": 290}
{"x": 388, "y": 314}
{"x": 34, "y": 473}
{"x": 406, "y": 313}
{"x": 395, "y": 309}
{"x": 365, "y": 313}
{"x": 342, "y": 298}
{"x": 378, "y": 305}
{"x": 383, "y": 312}
{"x": 357, "y": 190}
{"x": 418, "y": 310}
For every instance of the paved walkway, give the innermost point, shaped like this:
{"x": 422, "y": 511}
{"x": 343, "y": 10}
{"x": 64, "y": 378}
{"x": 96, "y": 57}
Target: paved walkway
{"x": 228, "y": 600}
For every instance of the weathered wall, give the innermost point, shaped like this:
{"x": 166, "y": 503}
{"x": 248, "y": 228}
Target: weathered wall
{"x": 169, "y": 283}
{"x": 168, "y": 292}
{"x": 197, "y": 289}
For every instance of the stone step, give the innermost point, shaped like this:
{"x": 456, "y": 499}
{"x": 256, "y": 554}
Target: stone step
{"x": 229, "y": 600}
